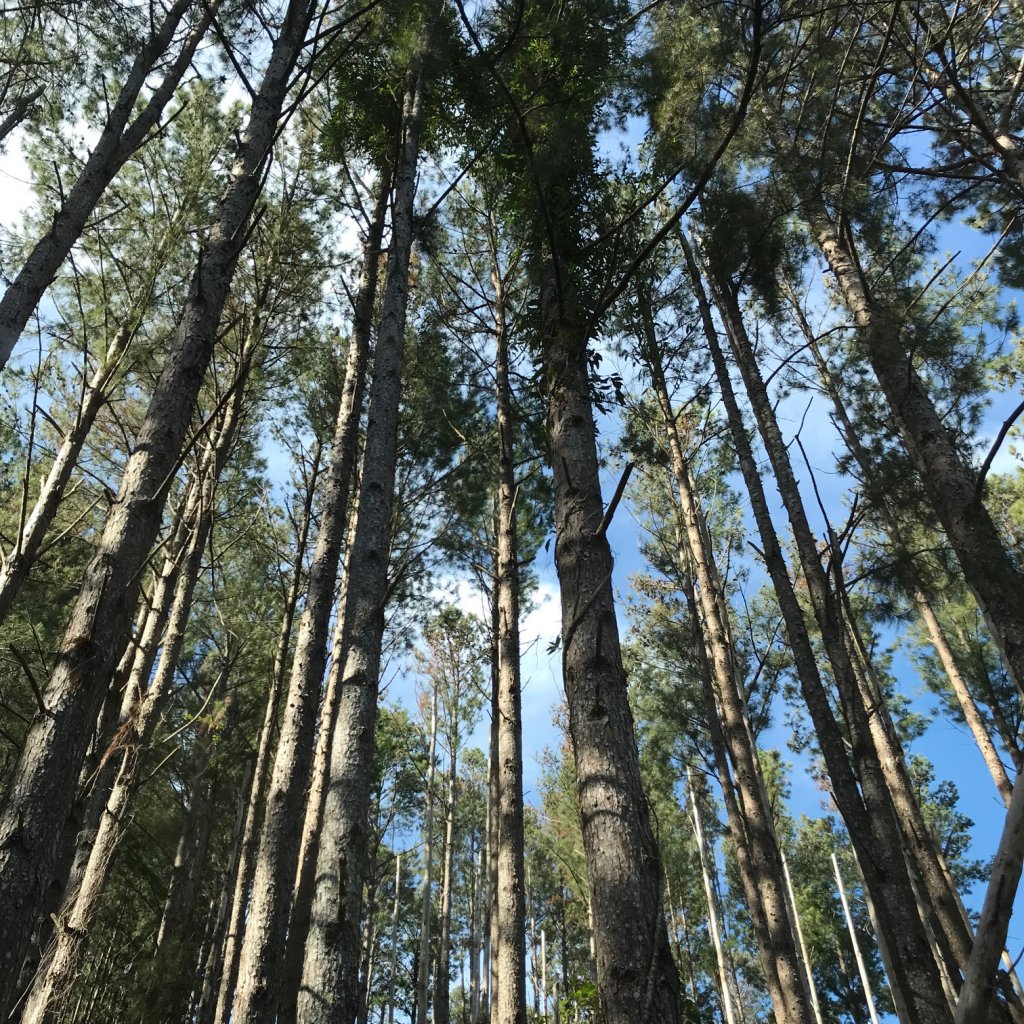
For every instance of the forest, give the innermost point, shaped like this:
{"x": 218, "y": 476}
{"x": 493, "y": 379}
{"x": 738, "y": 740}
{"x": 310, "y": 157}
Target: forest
{"x": 511, "y": 511}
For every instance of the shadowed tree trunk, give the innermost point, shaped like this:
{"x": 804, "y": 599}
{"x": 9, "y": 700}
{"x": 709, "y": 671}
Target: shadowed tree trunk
{"x": 637, "y": 975}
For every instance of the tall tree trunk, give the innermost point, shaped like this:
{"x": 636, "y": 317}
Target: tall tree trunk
{"x": 193, "y": 842}
{"x": 779, "y": 957}
{"x": 638, "y": 980}
{"x": 99, "y": 771}
{"x": 734, "y": 816}
{"x": 426, "y": 899}
{"x": 367, "y": 960}
{"x": 38, "y": 801}
{"x": 442, "y": 969}
{"x": 396, "y": 905}
{"x": 118, "y": 140}
{"x": 861, "y": 968}
{"x": 62, "y": 964}
{"x": 204, "y": 1000}
{"x": 141, "y": 706}
{"x": 812, "y": 987}
{"x": 510, "y": 1006}
{"x": 490, "y": 966}
{"x": 965, "y": 699}
{"x": 329, "y": 989}
{"x": 261, "y": 968}
{"x": 951, "y": 484}
{"x": 868, "y": 815}
{"x": 246, "y": 866}
{"x": 29, "y": 543}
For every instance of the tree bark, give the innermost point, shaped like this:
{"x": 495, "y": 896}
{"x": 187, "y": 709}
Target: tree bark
{"x": 329, "y": 990}
{"x": 510, "y": 1005}
{"x": 423, "y": 974}
{"x": 61, "y": 966}
{"x": 868, "y": 815}
{"x": 37, "y": 804}
{"x": 442, "y": 969}
{"x": 204, "y": 997}
{"x": 262, "y": 965}
{"x": 19, "y": 562}
{"x": 246, "y": 866}
{"x": 637, "y": 976}
{"x": 921, "y": 599}
{"x": 396, "y": 905}
{"x": 756, "y": 830}
{"x": 950, "y": 483}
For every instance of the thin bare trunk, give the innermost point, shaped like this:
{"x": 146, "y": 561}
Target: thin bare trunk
{"x": 442, "y": 969}
{"x": 868, "y": 814}
{"x": 510, "y": 1005}
{"x": 394, "y": 939}
{"x": 861, "y": 968}
{"x": 262, "y": 964}
{"x": 924, "y": 604}
{"x": 329, "y": 987}
{"x": 242, "y": 881}
{"x": 812, "y": 987}
{"x": 62, "y": 964}
{"x": 29, "y": 543}
{"x": 762, "y": 857}
{"x": 423, "y": 975}
{"x": 724, "y": 988}
{"x": 204, "y": 1000}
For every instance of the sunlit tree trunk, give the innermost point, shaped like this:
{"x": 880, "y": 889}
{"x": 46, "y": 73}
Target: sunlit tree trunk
{"x": 262, "y": 970}
{"x": 872, "y": 827}
{"x": 510, "y": 1005}
{"x": 442, "y": 969}
{"x": 329, "y": 988}
{"x": 766, "y": 884}
{"x": 426, "y": 899}
{"x": 246, "y": 866}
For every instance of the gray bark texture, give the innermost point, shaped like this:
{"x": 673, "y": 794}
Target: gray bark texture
{"x": 62, "y": 964}
{"x": 19, "y": 561}
{"x": 638, "y": 980}
{"x": 246, "y": 863}
{"x": 922, "y": 599}
{"x": 989, "y": 571}
{"x": 39, "y": 800}
{"x": 423, "y": 962}
{"x": 872, "y": 825}
{"x": 764, "y": 876}
{"x": 302, "y": 898}
{"x": 510, "y": 1005}
{"x": 330, "y": 978}
{"x": 261, "y": 969}
{"x": 118, "y": 140}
